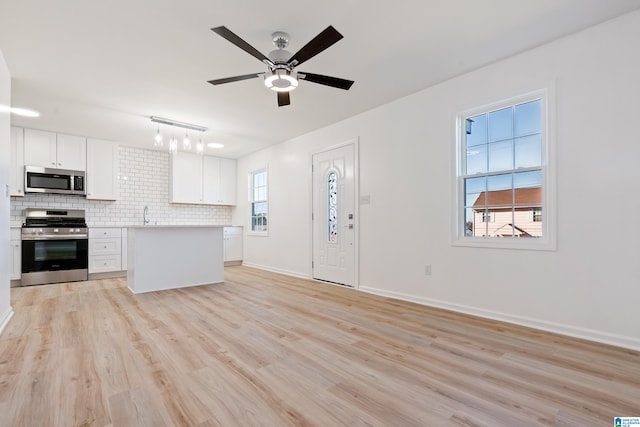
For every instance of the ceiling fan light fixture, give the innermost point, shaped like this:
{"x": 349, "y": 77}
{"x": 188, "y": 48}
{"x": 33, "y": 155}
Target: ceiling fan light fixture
{"x": 281, "y": 80}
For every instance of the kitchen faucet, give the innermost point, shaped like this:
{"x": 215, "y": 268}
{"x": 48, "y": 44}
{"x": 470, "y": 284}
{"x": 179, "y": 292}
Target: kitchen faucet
{"x": 145, "y": 213}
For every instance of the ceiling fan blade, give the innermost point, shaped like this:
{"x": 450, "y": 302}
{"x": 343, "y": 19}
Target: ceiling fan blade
{"x": 319, "y": 43}
{"x": 326, "y": 80}
{"x": 236, "y": 40}
{"x": 283, "y": 99}
{"x": 234, "y": 79}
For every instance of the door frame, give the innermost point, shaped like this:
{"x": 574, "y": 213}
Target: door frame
{"x": 356, "y": 203}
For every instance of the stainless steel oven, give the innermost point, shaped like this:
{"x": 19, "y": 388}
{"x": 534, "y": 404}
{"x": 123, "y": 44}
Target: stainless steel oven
{"x": 55, "y": 246}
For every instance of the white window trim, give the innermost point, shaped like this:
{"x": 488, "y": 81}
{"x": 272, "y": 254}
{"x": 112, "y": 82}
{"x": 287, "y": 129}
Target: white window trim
{"x": 548, "y": 240}
{"x": 250, "y": 231}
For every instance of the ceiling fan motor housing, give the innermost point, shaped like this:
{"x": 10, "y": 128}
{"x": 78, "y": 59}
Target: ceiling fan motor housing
{"x": 280, "y": 39}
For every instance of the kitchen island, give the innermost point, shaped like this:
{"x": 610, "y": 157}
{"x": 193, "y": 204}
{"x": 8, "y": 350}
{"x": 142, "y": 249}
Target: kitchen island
{"x": 164, "y": 257}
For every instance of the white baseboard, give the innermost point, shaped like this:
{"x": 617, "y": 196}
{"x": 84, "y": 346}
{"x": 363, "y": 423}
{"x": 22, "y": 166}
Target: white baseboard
{"x": 276, "y": 270}
{"x": 4, "y": 319}
{"x": 568, "y": 330}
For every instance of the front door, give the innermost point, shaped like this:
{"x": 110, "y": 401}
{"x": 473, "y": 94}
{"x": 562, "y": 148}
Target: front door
{"x": 333, "y": 217}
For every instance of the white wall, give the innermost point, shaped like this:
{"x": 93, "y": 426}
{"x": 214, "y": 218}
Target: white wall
{"x": 589, "y": 287}
{"x": 5, "y": 135}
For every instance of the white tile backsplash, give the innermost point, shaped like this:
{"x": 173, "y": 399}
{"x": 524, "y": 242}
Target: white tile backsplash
{"x": 143, "y": 181}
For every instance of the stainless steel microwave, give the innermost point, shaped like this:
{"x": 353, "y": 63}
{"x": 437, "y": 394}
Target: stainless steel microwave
{"x": 57, "y": 181}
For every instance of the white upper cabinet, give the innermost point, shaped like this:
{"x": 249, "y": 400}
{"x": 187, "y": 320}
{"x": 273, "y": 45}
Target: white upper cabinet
{"x": 186, "y": 178}
{"x": 51, "y": 150}
{"x": 16, "y": 162}
{"x": 228, "y": 181}
{"x": 102, "y": 170}
{"x": 40, "y": 148}
{"x": 72, "y": 152}
{"x": 200, "y": 179}
{"x": 219, "y": 181}
{"x": 210, "y": 180}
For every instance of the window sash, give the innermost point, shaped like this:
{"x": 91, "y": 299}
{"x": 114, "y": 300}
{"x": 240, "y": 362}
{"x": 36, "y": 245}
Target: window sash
{"x": 461, "y": 234}
{"x": 258, "y": 201}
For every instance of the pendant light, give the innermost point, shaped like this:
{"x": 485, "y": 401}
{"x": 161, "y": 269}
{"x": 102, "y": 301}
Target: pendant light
{"x": 158, "y": 139}
{"x": 173, "y": 142}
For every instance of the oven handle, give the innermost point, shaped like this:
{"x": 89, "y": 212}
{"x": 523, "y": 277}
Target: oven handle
{"x": 57, "y": 237}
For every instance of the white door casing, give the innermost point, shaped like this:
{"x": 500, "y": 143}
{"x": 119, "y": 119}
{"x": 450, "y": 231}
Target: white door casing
{"x": 334, "y": 215}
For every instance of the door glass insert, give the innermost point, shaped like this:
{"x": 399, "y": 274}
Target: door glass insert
{"x": 332, "y": 182}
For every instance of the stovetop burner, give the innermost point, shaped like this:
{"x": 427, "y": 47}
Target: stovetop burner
{"x": 38, "y": 218}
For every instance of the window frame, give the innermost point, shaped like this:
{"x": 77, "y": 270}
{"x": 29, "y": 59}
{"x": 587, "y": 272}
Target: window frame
{"x": 548, "y": 239}
{"x": 251, "y": 200}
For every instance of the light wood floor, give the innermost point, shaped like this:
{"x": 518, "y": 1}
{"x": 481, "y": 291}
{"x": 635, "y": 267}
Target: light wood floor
{"x": 271, "y": 350}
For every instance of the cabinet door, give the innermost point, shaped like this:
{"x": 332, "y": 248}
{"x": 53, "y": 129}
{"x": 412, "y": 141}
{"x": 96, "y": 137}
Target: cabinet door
{"x": 102, "y": 170}
{"x": 40, "y": 148}
{"x": 211, "y": 180}
{"x": 233, "y": 243}
{"x": 219, "y": 184}
{"x": 72, "y": 152}
{"x": 227, "y": 182}
{"x": 15, "y": 251}
{"x": 186, "y": 178}
{"x": 16, "y": 162}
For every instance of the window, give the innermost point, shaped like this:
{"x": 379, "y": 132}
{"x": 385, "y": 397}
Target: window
{"x": 502, "y": 179}
{"x": 258, "y": 198}
{"x": 332, "y": 203}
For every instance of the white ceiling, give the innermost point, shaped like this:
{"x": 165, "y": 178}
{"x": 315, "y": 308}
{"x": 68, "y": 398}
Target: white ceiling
{"x": 101, "y": 68}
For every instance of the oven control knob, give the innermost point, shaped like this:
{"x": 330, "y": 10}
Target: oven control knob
{"x": 55, "y": 230}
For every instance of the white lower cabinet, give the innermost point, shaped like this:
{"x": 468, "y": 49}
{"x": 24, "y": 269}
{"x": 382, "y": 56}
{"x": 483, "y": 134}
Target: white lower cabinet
{"x": 232, "y": 239}
{"x": 105, "y": 250}
{"x": 15, "y": 252}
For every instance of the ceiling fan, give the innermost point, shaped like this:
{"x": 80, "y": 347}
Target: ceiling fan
{"x": 281, "y": 75}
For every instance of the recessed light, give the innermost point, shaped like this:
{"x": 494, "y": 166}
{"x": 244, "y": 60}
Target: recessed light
{"x": 215, "y": 145}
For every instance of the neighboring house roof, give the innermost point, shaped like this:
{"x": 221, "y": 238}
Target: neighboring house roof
{"x": 523, "y": 196}
{"x": 514, "y": 230}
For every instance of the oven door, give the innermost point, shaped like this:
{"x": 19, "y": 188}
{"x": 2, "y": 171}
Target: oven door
{"x": 54, "y": 260}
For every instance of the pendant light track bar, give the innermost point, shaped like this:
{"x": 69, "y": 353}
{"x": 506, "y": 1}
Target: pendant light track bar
{"x": 183, "y": 125}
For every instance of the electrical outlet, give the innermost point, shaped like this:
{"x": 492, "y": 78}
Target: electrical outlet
{"x": 427, "y": 270}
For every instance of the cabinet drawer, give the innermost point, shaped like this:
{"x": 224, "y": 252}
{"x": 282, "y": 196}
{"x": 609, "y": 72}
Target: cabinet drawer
{"x": 104, "y": 263}
{"x": 105, "y": 247}
{"x": 104, "y": 232}
{"x": 232, "y": 231}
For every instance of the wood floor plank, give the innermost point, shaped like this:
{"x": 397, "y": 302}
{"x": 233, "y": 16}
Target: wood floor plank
{"x": 263, "y": 349}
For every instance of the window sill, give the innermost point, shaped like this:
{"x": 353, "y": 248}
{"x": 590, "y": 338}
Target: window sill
{"x": 258, "y": 233}
{"x": 536, "y": 244}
